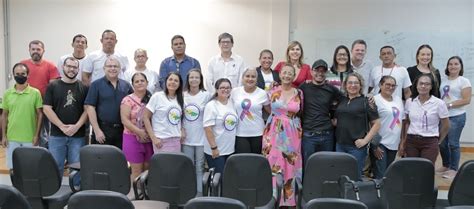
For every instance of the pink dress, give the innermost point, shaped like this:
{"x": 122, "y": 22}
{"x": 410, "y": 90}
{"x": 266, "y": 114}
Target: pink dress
{"x": 281, "y": 143}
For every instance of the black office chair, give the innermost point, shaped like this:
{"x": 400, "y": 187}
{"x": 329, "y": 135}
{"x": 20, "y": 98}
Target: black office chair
{"x": 36, "y": 175}
{"x": 409, "y": 184}
{"x": 99, "y": 199}
{"x": 248, "y": 177}
{"x": 461, "y": 191}
{"x": 12, "y": 198}
{"x": 334, "y": 203}
{"x": 321, "y": 175}
{"x": 214, "y": 203}
{"x": 104, "y": 167}
{"x": 171, "y": 178}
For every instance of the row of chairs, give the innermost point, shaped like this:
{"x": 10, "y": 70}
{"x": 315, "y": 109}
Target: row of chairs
{"x": 246, "y": 177}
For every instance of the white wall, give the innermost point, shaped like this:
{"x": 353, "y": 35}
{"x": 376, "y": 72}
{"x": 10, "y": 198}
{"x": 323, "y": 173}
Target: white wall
{"x": 148, "y": 24}
{"x": 446, "y": 25}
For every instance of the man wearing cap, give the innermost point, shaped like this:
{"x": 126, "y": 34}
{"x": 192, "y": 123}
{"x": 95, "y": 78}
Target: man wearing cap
{"x": 318, "y": 132}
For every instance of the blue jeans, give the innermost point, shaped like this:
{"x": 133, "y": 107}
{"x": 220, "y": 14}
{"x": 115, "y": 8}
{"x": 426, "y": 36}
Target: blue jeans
{"x": 449, "y": 148}
{"x": 196, "y": 153}
{"x": 359, "y": 153}
{"x": 65, "y": 146}
{"x": 314, "y": 142}
{"x": 216, "y": 163}
{"x": 381, "y": 165}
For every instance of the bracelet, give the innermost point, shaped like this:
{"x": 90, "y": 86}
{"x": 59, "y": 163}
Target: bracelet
{"x": 214, "y": 148}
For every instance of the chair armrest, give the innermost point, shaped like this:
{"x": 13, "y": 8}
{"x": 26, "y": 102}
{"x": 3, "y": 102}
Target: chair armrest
{"x": 73, "y": 174}
{"x": 140, "y": 181}
{"x": 215, "y": 183}
{"x": 299, "y": 193}
{"x": 279, "y": 184}
{"x": 205, "y": 183}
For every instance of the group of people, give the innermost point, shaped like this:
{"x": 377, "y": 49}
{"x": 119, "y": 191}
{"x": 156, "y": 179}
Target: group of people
{"x": 286, "y": 113}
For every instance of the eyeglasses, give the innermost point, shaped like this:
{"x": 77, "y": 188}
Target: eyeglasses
{"x": 112, "y": 66}
{"x": 342, "y": 55}
{"x": 226, "y": 42}
{"x": 388, "y": 85}
{"x": 224, "y": 88}
{"x": 424, "y": 84}
{"x": 353, "y": 83}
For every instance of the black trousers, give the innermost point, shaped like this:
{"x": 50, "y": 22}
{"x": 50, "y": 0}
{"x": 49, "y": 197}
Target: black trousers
{"x": 113, "y": 134}
{"x": 252, "y": 144}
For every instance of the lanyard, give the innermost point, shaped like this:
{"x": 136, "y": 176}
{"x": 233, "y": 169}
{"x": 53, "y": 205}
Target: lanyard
{"x": 388, "y": 74}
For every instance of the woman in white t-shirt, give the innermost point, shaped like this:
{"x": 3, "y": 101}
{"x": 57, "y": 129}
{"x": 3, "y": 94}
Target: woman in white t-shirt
{"x": 195, "y": 99}
{"x": 163, "y": 115}
{"x": 249, "y": 101}
{"x": 220, "y": 123}
{"x": 391, "y": 113}
{"x": 455, "y": 91}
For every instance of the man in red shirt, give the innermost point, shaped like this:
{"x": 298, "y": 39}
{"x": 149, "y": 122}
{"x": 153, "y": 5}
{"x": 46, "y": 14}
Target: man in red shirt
{"x": 42, "y": 72}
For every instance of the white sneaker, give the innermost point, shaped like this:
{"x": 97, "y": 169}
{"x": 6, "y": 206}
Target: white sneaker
{"x": 450, "y": 174}
{"x": 442, "y": 170}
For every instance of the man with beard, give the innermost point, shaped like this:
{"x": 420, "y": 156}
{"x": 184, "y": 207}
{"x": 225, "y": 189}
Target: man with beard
{"x": 42, "y": 72}
{"x": 79, "y": 45}
{"x": 320, "y": 96}
{"x": 179, "y": 62}
{"x": 92, "y": 69}
{"x": 64, "y": 106}
{"x": 22, "y": 113}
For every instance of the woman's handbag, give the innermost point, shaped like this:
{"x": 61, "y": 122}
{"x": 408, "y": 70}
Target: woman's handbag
{"x": 369, "y": 192}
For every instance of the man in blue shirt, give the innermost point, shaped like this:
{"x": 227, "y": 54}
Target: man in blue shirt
{"x": 179, "y": 62}
{"x": 103, "y": 104}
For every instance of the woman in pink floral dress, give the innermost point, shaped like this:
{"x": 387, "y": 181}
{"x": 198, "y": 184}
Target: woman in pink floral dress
{"x": 282, "y": 135}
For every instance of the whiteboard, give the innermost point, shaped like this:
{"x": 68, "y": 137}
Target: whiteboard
{"x": 444, "y": 44}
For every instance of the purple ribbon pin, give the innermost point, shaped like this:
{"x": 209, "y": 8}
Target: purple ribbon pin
{"x": 246, "y": 104}
{"x": 396, "y": 115}
{"x": 445, "y": 92}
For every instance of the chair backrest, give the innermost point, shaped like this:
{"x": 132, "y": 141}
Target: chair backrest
{"x": 171, "y": 178}
{"x": 409, "y": 183}
{"x": 248, "y": 178}
{"x": 334, "y": 203}
{"x": 214, "y": 203}
{"x": 35, "y": 172}
{"x": 99, "y": 199}
{"x": 322, "y": 171}
{"x": 461, "y": 191}
{"x": 11, "y": 198}
{"x": 103, "y": 167}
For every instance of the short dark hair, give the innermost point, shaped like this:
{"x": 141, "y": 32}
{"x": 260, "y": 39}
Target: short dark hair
{"x": 79, "y": 36}
{"x": 225, "y": 35}
{"x": 266, "y": 51}
{"x": 388, "y": 47}
{"x": 218, "y": 83}
{"x": 36, "y": 42}
{"x": 20, "y": 64}
{"x": 415, "y": 92}
{"x": 461, "y": 72}
{"x": 147, "y": 96}
{"x": 359, "y": 41}
{"x": 108, "y": 31}
{"x": 176, "y": 37}
{"x": 72, "y": 59}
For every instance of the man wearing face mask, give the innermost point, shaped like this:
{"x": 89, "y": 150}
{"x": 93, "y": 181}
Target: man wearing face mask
{"x": 42, "y": 72}
{"x": 64, "y": 107}
{"x": 22, "y": 113}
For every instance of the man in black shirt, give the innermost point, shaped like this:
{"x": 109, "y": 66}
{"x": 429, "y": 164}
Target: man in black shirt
{"x": 64, "y": 106}
{"x": 319, "y": 100}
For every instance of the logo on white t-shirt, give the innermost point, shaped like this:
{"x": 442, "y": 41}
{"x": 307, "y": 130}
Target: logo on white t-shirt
{"x": 174, "y": 115}
{"x": 230, "y": 121}
{"x": 191, "y": 112}
{"x": 445, "y": 97}
{"x": 246, "y": 104}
